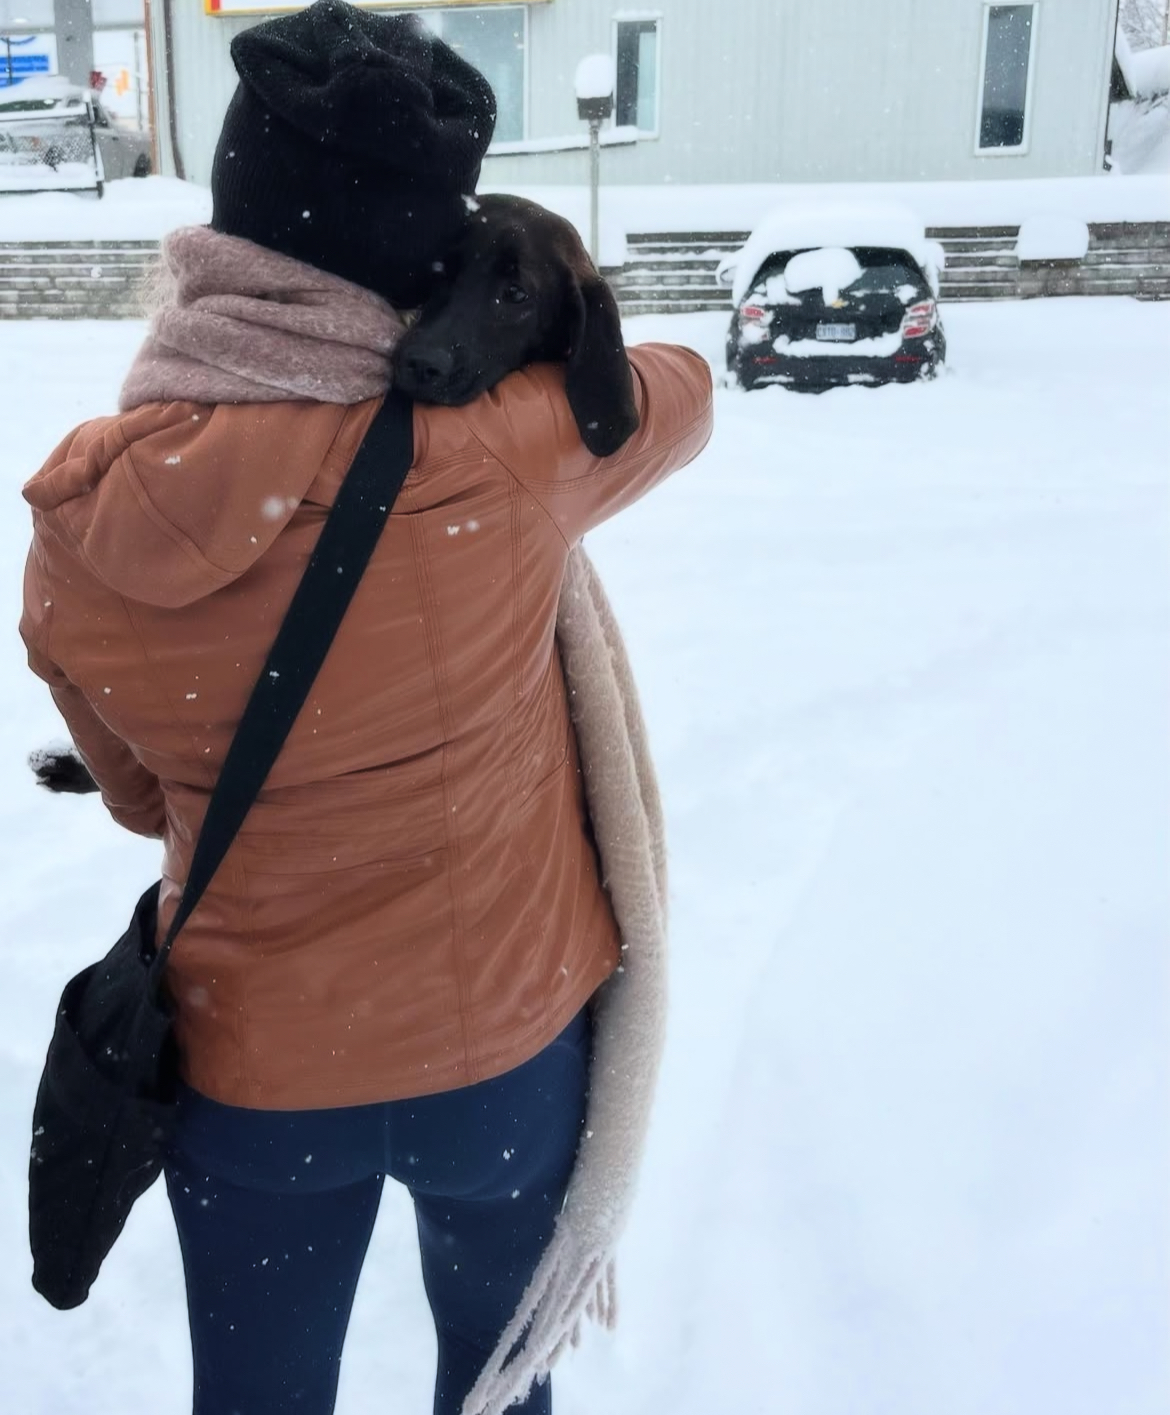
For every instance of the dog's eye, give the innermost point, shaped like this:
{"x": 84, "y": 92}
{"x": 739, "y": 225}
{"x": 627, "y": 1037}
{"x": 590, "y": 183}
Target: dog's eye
{"x": 515, "y": 294}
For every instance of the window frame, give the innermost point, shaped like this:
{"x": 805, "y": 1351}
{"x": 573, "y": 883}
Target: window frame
{"x": 1025, "y": 147}
{"x": 640, "y": 17}
{"x": 526, "y": 82}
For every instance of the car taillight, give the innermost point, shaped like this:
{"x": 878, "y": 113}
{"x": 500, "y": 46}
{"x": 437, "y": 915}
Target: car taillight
{"x": 753, "y": 313}
{"x": 919, "y": 319}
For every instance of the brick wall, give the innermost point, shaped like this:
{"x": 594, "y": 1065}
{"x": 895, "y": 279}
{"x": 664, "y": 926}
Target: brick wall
{"x": 672, "y": 271}
{"x": 73, "y": 279}
{"x": 666, "y": 272}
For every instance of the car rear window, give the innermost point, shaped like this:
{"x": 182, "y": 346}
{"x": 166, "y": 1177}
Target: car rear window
{"x": 883, "y": 272}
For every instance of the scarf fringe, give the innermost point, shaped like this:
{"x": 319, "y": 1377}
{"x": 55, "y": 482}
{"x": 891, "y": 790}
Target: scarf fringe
{"x": 576, "y": 1277}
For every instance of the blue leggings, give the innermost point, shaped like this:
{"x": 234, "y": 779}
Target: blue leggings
{"x": 275, "y": 1209}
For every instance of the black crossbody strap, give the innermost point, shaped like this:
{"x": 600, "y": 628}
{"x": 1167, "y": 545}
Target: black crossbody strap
{"x": 338, "y": 561}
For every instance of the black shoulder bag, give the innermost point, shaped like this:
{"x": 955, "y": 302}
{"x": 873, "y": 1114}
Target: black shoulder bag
{"x": 105, "y": 1108}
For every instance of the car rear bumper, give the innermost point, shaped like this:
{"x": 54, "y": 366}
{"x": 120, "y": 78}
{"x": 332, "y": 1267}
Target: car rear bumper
{"x": 903, "y": 367}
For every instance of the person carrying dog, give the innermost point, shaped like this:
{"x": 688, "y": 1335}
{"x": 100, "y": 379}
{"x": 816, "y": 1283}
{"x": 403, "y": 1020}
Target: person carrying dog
{"x": 399, "y": 967}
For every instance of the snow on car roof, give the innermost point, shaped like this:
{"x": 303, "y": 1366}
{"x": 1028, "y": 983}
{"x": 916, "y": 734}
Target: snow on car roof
{"x": 49, "y": 89}
{"x": 795, "y": 228}
{"x": 44, "y": 86}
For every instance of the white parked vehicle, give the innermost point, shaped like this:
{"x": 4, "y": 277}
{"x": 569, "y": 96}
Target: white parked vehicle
{"x": 55, "y": 136}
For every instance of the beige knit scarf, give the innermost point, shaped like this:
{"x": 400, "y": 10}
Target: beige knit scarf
{"x": 237, "y": 323}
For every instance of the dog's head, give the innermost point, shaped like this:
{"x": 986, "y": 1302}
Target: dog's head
{"x": 520, "y": 288}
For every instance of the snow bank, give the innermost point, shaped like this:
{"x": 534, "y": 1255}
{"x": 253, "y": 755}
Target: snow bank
{"x": 667, "y": 207}
{"x": 31, "y": 180}
{"x": 1146, "y": 71}
{"x": 137, "y": 209}
{"x": 147, "y": 209}
{"x": 1140, "y": 133}
{"x": 1151, "y": 72}
{"x": 1052, "y": 238}
{"x": 794, "y": 227}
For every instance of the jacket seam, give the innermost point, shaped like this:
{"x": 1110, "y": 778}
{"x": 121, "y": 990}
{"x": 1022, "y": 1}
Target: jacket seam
{"x": 535, "y": 488}
{"x": 152, "y": 673}
{"x": 534, "y": 925}
{"x": 164, "y": 524}
{"x": 451, "y": 828}
{"x": 332, "y": 455}
{"x": 523, "y": 485}
{"x": 51, "y": 616}
{"x": 633, "y": 465}
{"x": 241, "y": 1013}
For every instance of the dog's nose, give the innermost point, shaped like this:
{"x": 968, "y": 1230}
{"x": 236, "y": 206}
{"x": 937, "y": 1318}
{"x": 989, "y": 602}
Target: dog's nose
{"x": 427, "y": 367}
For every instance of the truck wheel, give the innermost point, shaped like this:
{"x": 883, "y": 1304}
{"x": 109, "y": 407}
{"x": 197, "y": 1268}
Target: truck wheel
{"x": 142, "y": 166}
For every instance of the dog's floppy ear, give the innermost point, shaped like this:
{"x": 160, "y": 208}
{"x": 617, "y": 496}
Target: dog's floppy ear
{"x": 598, "y": 380}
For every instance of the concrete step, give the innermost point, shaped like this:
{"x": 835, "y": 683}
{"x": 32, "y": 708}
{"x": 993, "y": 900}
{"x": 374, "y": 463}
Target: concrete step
{"x": 984, "y": 275}
{"x": 1077, "y": 284}
{"x": 1130, "y": 232}
{"x": 90, "y": 269}
{"x": 52, "y": 249}
{"x": 1147, "y": 259}
{"x": 970, "y": 233}
{"x": 31, "y": 310}
{"x": 674, "y": 280}
{"x": 697, "y": 240}
{"x": 969, "y": 293}
{"x": 636, "y": 307}
{"x": 669, "y": 262}
{"x": 983, "y": 260}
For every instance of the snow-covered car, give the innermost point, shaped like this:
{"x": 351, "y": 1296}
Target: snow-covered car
{"x": 827, "y": 296}
{"x": 55, "y": 136}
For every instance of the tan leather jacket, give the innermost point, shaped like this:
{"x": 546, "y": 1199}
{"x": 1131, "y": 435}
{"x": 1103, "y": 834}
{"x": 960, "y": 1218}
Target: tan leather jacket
{"x": 413, "y": 903}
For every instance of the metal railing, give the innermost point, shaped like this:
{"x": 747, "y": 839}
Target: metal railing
{"x": 43, "y": 153}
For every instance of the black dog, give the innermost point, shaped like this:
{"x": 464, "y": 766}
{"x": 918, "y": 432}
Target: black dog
{"x": 519, "y": 288}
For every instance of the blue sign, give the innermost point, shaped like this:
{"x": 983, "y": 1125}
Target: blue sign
{"x": 14, "y": 65}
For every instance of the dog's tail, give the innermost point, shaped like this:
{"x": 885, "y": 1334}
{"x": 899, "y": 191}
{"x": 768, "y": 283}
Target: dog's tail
{"x": 60, "y": 769}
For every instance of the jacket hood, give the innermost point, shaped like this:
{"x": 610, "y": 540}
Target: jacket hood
{"x": 173, "y": 501}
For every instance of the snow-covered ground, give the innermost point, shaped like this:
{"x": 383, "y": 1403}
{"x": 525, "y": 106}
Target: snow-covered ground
{"x": 905, "y": 656}
{"x": 146, "y": 209}
{"x": 133, "y": 209}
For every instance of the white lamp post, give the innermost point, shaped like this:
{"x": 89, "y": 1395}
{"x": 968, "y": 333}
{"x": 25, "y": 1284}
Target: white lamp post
{"x": 595, "y": 82}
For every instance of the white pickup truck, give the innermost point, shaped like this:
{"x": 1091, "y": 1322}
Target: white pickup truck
{"x": 57, "y": 137}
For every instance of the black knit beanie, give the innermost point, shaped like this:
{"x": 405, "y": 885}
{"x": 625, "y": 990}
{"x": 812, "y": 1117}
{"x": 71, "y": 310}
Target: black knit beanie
{"x": 350, "y": 143}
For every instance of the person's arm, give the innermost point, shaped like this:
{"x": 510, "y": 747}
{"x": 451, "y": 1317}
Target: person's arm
{"x": 538, "y": 441}
{"x": 132, "y": 795}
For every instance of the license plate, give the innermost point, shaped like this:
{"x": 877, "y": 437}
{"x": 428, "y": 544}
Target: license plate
{"x": 843, "y": 333}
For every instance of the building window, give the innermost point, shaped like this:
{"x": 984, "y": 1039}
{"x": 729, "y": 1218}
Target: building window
{"x": 1008, "y": 58}
{"x": 494, "y": 40}
{"x": 636, "y": 99}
